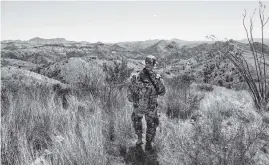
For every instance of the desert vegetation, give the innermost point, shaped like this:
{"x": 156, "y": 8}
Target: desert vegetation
{"x": 66, "y": 102}
{"x": 37, "y": 125}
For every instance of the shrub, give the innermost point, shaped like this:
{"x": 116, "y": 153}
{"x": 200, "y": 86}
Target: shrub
{"x": 178, "y": 98}
{"x": 91, "y": 80}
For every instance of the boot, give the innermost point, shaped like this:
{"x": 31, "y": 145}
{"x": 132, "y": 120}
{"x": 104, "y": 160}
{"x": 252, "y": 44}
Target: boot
{"x": 148, "y": 146}
{"x": 139, "y": 139}
{"x": 149, "y": 140}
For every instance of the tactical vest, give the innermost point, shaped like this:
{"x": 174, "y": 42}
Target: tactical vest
{"x": 145, "y": 95}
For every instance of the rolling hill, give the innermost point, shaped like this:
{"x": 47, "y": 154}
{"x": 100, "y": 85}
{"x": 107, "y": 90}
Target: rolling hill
{"x": 58, "y": 58}
{"x": 265, "y": 41}
{"x": 18, "y": 77}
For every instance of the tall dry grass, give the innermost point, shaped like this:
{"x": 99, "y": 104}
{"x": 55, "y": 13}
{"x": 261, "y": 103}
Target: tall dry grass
{"x": 87, "y": 123}
{"x": 228, "y": 131}
{"x": 178, "y": 101}
{"x": 118, "y": 126}
{"x": 35, "y": 127}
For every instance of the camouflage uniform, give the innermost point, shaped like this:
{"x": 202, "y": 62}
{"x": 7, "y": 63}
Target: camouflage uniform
{"x": 143, "y": 93}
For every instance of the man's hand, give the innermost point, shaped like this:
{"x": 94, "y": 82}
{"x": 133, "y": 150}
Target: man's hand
{"x": 158, "y": 82}
{"x": 160, "y": 85}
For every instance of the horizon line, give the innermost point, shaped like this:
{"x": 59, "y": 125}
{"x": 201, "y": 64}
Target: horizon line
{"x": 123, "y": 41}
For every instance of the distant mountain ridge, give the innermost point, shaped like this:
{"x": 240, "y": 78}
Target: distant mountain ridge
{"x": 42, "y": 41}
{"x": 162, "y": 48}
{"x": 38, "y": 40}
{"x": 265, "y": 41}
{"x": 40, "y": 50}
{"x": 137, "y": 45}
{"x": 126, "y": 44}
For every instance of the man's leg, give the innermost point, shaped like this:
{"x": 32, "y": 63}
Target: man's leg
{"x": 137, "y": 124}
{"x": 152, "y": 120}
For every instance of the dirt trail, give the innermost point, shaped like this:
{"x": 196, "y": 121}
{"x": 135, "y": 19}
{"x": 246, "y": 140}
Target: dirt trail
{"x": 137, "y": 155}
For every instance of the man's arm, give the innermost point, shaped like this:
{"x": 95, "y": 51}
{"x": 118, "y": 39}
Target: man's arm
{"x": 160, "y": 85}
{"x": 130, "y": 93}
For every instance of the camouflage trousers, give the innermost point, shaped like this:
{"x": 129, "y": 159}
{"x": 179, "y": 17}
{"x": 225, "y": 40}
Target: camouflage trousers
{"x": 152, "y": 120}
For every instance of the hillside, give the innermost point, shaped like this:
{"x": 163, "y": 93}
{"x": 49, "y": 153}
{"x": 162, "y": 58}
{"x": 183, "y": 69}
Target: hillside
{"x": 138, "y": 45}
{"x": 42, "y": 41}
{"x": 162, "y": 49}
{"x": 72, "y": 70}
{"x": 49, "y": 53}
{"x": 17, "y": 78}
{"x": 205, "y": 64}
{"x": 265, "y": 41}
{"x": 17, "y": 63}
{"x": 199, "y": 59}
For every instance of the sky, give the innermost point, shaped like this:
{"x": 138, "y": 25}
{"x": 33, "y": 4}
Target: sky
{"x": 127, "y": 21}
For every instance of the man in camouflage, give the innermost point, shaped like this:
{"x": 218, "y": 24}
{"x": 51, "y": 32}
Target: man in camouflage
{"x": 143, "y": 92}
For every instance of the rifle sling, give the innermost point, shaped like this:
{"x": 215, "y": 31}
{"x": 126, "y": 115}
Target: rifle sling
{"x": 150, "y": 79}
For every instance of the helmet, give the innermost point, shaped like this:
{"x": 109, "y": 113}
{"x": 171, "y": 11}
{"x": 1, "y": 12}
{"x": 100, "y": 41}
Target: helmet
{"x": 150, "y": 59}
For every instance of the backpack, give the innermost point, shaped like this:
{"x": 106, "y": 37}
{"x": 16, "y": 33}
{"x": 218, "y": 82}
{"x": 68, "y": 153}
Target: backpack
{"x": 143, "y": 92}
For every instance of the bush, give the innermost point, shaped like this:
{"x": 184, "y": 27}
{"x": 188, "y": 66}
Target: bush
{"x": 116, "y": 76}
{"x": 178, "y": 98}
{"x": 91, "y": 80}
{"x": 117, "y": 73}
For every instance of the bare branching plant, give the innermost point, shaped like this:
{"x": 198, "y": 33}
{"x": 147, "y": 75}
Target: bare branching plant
{"x": 257, "y": 82}
{"x": 254, "y": 75}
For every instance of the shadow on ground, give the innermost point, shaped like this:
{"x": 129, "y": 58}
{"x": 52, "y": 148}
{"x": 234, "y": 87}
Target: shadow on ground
{"x": 137, "y": 156}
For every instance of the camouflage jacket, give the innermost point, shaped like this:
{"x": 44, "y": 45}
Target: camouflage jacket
{"x": 145, "y": 88}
